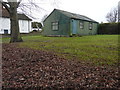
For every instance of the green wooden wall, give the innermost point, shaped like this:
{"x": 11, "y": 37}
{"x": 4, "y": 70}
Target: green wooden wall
{"x": 66, "y": 26}
{"x": 85, "y": 30}
{"x": 63, "y": 28}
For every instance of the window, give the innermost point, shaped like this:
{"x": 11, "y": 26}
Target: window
{"x": 90, "y": 26}
{"x": 54, "y": 25}
{"x": 23, "y": 25}
{"x": 81, "y": 24}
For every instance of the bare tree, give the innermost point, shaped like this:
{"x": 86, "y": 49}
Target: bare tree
{"x": 112, "y": 16}
{"x": 12, "y": 6}
{"x": 44, "y": 17}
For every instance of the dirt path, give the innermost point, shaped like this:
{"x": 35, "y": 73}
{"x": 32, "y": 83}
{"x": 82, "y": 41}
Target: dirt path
{"x": 36, "y": 70}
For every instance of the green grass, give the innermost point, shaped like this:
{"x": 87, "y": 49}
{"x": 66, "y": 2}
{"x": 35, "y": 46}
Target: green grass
{"x": 97, "y": 49}
{"x": 4, "y": 40}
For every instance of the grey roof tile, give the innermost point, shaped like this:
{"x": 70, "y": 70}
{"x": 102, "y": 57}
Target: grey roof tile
{"x": 20, "y": 16}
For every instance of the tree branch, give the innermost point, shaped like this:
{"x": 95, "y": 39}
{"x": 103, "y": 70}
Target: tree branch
{"x": 5, "y": 5}
{"x": 18, "y": 3}
{"x": 112, "y": 15}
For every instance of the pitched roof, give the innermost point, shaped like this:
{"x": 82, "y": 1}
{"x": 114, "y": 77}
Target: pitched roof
{"x": 20, "y": 16}
{"x": 76, "y": 16}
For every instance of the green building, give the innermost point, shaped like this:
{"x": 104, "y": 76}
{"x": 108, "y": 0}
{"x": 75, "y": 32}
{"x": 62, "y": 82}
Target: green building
{"x": 62, "y": 23}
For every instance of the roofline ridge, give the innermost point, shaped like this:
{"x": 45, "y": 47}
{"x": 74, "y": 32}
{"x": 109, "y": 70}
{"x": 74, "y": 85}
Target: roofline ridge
{"x": 76, "y": 14}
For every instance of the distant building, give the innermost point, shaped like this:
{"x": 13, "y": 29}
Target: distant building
{"x": 24, "y": 23}
{"x": 36, "y": 26}
{"x": 63, "y": 23}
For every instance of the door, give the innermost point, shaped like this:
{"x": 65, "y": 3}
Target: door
{"x": 74, "y": 26}
{"x": 5, "y": 31}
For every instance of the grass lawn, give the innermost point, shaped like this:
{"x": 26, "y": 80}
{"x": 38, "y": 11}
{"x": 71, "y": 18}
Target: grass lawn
{"x": 97, "y": 49}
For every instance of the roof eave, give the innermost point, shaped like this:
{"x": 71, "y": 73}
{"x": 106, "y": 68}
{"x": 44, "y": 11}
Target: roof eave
{"x": 83, "y": 20}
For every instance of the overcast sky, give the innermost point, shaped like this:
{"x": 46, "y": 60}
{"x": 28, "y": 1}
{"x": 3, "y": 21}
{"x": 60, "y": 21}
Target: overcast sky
{"x": 94, "y": 9}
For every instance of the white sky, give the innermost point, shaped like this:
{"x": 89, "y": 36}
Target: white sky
{"x": 94, "y": 9}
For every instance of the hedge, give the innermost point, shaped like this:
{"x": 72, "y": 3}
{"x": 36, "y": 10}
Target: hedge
{"x": 109, "y": 28}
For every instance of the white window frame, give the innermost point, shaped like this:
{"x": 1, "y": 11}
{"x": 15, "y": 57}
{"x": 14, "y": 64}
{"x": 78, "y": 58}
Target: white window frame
{"x": 90, "y": 25}
{"x": 55, "y": 25}
{"x": 81, "y": 24}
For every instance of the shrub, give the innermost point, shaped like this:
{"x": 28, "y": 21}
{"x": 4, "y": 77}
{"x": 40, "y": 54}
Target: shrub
{"x": 109, "y": 28}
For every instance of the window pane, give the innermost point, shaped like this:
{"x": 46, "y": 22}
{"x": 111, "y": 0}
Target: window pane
{"x": 90, "y": 26}
{"x": 55, "y": 26}
{"x": 81, "y": 25}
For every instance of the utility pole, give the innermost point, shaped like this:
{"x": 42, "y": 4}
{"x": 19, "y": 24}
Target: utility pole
{"x": 0, "y": 49}
{"x": 119, "y": 11}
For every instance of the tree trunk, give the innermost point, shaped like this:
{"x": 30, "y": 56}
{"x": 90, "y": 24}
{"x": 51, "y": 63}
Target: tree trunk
{"x": 15, "y": 34}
